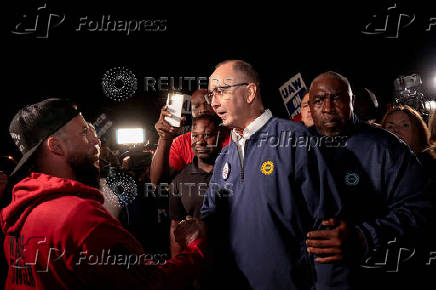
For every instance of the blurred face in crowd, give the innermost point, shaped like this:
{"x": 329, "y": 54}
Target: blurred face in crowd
{"x": 330, "y": 104}
{"x": 229, "y": 90}
{"x": 306, "y": 117}
{"x": 199, "y": 104}
{"x": 126, "y": 164}
{"x": 82, "y": 150}
{"x": 400, "y": 124}
{"x": 204, "y": 139}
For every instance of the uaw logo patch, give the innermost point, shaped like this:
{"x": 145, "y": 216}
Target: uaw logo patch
{"x": 351, "y": 178}
{"x": 226, "y": 171}
{"x": 267, "y": 167}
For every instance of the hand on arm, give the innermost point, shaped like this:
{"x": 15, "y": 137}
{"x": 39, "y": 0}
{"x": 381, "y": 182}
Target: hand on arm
{"x": 175, "y": 248}
{"x": 189, "y": 230}
{"x": 331, "y": 245}
{"x": 128, "y": 266}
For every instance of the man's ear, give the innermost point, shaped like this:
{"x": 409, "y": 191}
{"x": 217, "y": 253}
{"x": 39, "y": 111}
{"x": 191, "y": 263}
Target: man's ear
{"x": 55, "y": 146}
{"x": 353, "y": 99}
{"x": 252, "y": 89}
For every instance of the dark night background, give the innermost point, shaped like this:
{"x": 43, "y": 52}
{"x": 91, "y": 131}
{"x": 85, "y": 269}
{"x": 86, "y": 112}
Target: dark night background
{"x": 279, "y": 39}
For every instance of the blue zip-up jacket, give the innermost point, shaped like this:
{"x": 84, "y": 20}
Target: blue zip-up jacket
{"x": 384, "y": 194}
{"x": 268, "y": 207}
{"x": 285, "y": 190}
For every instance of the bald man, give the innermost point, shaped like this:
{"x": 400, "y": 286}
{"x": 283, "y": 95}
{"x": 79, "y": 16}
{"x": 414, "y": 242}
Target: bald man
{"x": 263, "y": 197}
{"x": 380, "y": 182}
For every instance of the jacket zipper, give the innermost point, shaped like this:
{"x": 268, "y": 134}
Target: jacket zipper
{"x": 243, "y": 162}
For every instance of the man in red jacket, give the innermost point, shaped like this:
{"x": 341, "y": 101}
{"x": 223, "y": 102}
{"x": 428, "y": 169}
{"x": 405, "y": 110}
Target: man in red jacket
{"x": 57, "y": 234}
{"x": 174, "y": 153}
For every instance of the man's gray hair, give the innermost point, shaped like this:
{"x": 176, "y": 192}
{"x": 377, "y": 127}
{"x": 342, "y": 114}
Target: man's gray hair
{"x": 243, "y": 67}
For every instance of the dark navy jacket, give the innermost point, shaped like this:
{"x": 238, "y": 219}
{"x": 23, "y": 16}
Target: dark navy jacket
{"x": 286, "y": 189}
{"x": 268, "y": 207}
{"x": 384, "y": 194}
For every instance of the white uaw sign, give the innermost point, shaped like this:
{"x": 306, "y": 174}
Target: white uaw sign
{"x": 292, "y": 93}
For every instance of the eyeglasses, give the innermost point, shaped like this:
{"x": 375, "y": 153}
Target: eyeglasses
{"x": 220, "y": 91}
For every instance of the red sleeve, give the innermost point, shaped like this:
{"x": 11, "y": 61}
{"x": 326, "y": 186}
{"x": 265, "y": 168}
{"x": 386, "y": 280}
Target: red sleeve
{"x": 122, "y": 263}
{"x": 297, "y": 118}
{"x": 227, "y": 138}
{"x": 181, "y": 152}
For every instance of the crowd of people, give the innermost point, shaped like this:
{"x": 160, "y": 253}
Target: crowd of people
{"x": 245, "y": 200}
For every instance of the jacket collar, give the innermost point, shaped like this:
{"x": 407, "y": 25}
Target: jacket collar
{"x": 253, "y": 127}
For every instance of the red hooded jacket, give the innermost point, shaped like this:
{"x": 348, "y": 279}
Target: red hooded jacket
{"x": 57, "y": 234}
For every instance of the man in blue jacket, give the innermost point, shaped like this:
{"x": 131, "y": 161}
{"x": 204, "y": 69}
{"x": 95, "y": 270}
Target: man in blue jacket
{"x": 380, "y": 182}
{"x": 270, "y": 187}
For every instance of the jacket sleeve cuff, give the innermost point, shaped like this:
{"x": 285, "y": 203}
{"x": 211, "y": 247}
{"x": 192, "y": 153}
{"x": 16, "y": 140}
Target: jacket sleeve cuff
{"x": 196, "y": 247}
{"x": 369, "y": 245}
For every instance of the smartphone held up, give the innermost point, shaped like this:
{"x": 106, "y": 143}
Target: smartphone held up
{"x": 177, "y": 104}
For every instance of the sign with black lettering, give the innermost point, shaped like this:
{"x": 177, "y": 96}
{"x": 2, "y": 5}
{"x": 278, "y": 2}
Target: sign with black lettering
{"x": 292, "y": 93}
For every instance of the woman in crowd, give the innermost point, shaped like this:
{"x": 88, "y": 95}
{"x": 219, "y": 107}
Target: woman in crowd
{"x": 432, "y": 141}
{"x": 409, "y": 126}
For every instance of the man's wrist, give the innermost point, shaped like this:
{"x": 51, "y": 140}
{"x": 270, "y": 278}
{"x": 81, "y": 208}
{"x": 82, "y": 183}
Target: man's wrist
{"x": 358, "y": 243}
{"x": 165, "y": 141}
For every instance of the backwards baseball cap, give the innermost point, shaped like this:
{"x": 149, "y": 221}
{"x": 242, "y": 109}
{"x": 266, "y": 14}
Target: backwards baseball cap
{"x": 35, "y": 123}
